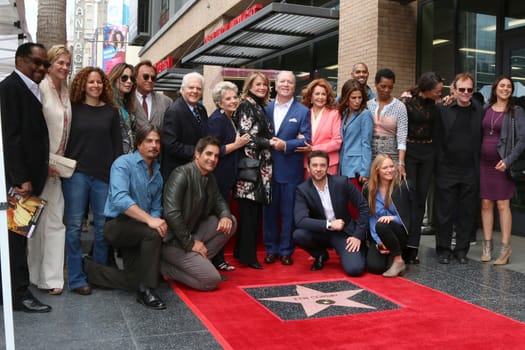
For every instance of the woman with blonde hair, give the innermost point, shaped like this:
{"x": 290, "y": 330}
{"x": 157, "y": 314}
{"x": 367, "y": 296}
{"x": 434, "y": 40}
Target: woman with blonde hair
{"x": 45, "y": 256}
{"x": 95, "y": 142}
{"x": 389, "y": 204}
{"x": 325, "y": 121}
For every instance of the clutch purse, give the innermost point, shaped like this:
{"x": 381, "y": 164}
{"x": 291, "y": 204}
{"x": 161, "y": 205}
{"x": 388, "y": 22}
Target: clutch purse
{"x": 65, "y": 166}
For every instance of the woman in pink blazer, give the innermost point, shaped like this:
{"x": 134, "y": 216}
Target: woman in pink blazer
{"x": 325, "y": 121}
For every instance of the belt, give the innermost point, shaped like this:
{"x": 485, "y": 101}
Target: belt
{"x": 419, "y": 141}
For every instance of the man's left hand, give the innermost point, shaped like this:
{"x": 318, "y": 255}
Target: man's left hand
{"x": 225, "y": 226}
{"x": 353, "y": 244}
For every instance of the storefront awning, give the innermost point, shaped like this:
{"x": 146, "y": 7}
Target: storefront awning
{"x": 274, "y": 28}
{"x": 171, "y": 78}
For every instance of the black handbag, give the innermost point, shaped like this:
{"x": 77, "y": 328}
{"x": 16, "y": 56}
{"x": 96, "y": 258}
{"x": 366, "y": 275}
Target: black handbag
{"x": 248, "y": 169}
{"x": 516, "y": 170}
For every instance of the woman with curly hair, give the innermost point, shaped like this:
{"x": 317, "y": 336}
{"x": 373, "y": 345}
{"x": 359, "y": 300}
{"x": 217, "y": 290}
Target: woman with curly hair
{"x": 95, "y": 142}
{"x": 122, "y": 81}
{"x": 325, "y": 120}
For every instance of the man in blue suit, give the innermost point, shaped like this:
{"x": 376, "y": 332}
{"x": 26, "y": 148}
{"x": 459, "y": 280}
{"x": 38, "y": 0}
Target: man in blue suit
{"x": 324, "y": 221}
{"x": 291, "y": 125}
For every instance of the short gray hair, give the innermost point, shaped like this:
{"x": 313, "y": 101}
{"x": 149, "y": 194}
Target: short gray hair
{"x": 187, "y": 77}
{"x": 220, "y": 89}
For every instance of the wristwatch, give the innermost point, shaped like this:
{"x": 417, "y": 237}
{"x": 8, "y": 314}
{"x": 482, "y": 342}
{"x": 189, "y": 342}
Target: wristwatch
{"x": 329, "y": 225}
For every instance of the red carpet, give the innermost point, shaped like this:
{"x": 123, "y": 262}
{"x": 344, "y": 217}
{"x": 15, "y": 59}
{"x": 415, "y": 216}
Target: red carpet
{"x": 419, "y": 317}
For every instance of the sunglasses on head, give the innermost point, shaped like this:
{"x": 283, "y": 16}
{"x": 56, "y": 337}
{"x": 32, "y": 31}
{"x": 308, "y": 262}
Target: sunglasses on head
{"x": 147, "y": 77}
{"x": 463, "y": 90}
{"x": 37, "y": 61}
{"x": 124, "y": 78}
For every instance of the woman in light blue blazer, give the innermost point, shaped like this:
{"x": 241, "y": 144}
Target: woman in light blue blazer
{"x": 357, "y": 127}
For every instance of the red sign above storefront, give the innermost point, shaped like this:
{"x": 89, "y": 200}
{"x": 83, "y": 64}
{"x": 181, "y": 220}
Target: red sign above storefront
{"x": 240, "y": 18}
{"x": 164, "y": 64}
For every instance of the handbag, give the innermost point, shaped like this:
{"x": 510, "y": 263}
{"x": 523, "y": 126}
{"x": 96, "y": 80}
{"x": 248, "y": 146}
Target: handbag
{"x": 248, "y": 169}
{"x": 516, "y": 170}
{"x": 65, "y": 166}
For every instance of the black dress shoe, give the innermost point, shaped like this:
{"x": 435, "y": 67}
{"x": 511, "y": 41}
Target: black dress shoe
{"x": 149, "y": 298}
{"x": 462, "y": 260}
{"x": 286, "y": 260}
{"x": 319, "y": 262}
{"x": 31, "y": 304}
{"x": 256, "y": 266}
{"x": 444, "y": 259}
{"x": 270, "y": 258}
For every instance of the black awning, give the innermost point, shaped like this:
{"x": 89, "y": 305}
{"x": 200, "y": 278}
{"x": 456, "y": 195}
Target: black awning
{"x": 171, "y": 78}
{"x": 274, "y": 28}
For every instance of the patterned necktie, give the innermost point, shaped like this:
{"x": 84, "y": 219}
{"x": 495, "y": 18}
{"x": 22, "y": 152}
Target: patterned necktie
{"x": 145, "y": 105}
{"x": 197, "y": 115}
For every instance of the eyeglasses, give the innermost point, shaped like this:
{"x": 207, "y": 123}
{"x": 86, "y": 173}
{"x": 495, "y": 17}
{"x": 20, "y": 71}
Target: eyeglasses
{"x": 37, "y": 61}
{"x": 147, "y": 77}
{"x": 463, "y": 90}
{"x": 124, "y": 78}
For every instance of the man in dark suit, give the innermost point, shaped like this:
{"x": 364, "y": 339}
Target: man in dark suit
{"x": 323, "y": 220}
{"x": 26, "y": 154}
{"x": 291, "y": 125}
{"x": 456, "y": 196}
{"x": 185, "y": 122}
{"x": 150, "y": 105}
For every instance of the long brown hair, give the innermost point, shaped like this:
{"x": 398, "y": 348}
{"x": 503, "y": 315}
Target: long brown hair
{"x": 350, "y": 86}
{"x": 373, "y": 183}
{"x": 114, "y": 77}
{"x": 494, "y": 98}
{"x": 77, "y": 92}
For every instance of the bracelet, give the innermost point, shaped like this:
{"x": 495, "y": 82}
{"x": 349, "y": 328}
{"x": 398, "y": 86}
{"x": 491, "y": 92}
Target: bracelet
{"x": 401, "y": 164}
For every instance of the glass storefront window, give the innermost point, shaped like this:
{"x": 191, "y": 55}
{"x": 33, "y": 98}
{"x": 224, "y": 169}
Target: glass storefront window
{"x": 514, "y": 14}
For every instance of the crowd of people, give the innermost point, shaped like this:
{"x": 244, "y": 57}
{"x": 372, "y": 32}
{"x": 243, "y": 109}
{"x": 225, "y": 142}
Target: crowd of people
{"x": 350, "y": 173}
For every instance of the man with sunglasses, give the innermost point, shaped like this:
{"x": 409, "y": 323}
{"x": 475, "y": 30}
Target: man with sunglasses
{"x": 26, "y": 154}
{"x": 458, "y": 141}
{"x": 150, "y": 105}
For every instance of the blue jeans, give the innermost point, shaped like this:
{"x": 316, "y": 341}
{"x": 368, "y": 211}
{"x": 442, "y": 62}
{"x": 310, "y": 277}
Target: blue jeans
{"x": 77, "y": 190}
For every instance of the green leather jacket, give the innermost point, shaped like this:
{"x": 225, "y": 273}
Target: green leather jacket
{"x": 189, "y": 198}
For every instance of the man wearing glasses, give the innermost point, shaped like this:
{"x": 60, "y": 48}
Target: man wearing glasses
{"x": 458, "y": 140}
{"x": 26, "y": 154}
{"x": 151, "y": 105}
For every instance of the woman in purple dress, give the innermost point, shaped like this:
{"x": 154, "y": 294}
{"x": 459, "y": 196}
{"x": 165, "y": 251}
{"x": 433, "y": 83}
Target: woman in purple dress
{"x": 497, "y": 154}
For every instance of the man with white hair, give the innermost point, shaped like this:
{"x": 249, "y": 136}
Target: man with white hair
{"x": 185, "y": 122}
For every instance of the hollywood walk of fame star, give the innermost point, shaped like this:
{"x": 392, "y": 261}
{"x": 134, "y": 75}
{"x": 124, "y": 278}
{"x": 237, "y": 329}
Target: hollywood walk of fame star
{"x": 314, "y": 301}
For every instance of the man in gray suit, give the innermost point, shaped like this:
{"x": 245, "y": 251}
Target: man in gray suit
{"x": 151, "y": 105}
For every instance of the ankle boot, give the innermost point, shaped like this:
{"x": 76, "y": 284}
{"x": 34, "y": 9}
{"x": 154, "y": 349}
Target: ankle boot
{"x": 504, "y": 255}
{"x": 486, "y": 250}
{"x": 396, "y": 269}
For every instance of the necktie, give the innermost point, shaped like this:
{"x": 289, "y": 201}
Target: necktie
{"x": 145, "y": 105}
{"x": 197, "y": 115}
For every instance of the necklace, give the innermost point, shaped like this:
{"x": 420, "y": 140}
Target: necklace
{"x": 494, "y": 122}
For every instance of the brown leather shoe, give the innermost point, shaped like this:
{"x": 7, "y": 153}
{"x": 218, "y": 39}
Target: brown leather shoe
{"x": 84, "y": 290}
{"x": 286, "y": 260}
{"x": 270, "y": 258}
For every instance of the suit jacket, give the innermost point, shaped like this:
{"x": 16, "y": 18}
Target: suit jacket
{"x": 443, "y": 126}
{"x": 309, "y": 212}
{"x": 25, "y": 135}
{"x": 181, "y": 133}
{"x": 159, "y": 105}
{"x": 288, "y": 164}
{"x": 327, "y": 137}
{"x": 356, "y": 151}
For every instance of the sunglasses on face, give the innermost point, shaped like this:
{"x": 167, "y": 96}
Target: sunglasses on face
{"x": 463, "y": 90}
{"x": 124, "y": 78}
{"x": 37, "y": 61}
{"x": 147, "y": 77}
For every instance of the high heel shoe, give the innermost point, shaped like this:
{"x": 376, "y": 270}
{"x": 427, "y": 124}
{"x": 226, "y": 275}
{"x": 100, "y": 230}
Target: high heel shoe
{"x": 486, "y": 250}
{"x": 504, "y": 255}
{"x": 396, "y": 269}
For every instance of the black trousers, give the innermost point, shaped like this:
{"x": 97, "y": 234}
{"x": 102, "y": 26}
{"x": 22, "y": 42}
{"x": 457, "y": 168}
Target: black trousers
{"x": 394, "y": 237}
{"x": 140, "y": 248}
{"x": 18, "y": 264}
{"x": 250, "y": 213}
{"x": 456, "y": 201}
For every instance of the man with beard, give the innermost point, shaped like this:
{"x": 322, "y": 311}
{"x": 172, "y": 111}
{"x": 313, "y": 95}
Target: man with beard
{"x": 134, "y": 224}
{"x": 323, "y": 220}
{"x": 26, "y": 154}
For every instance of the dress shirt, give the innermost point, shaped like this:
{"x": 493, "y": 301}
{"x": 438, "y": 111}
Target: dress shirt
{"x": 131, "y": 184}
{"x": 382, "y": 211}
{"x": 326, "y": 201}
{"x": 149, "y": 102}
{"x": 31, "y": 85}
{"x": 279, "y": 113}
